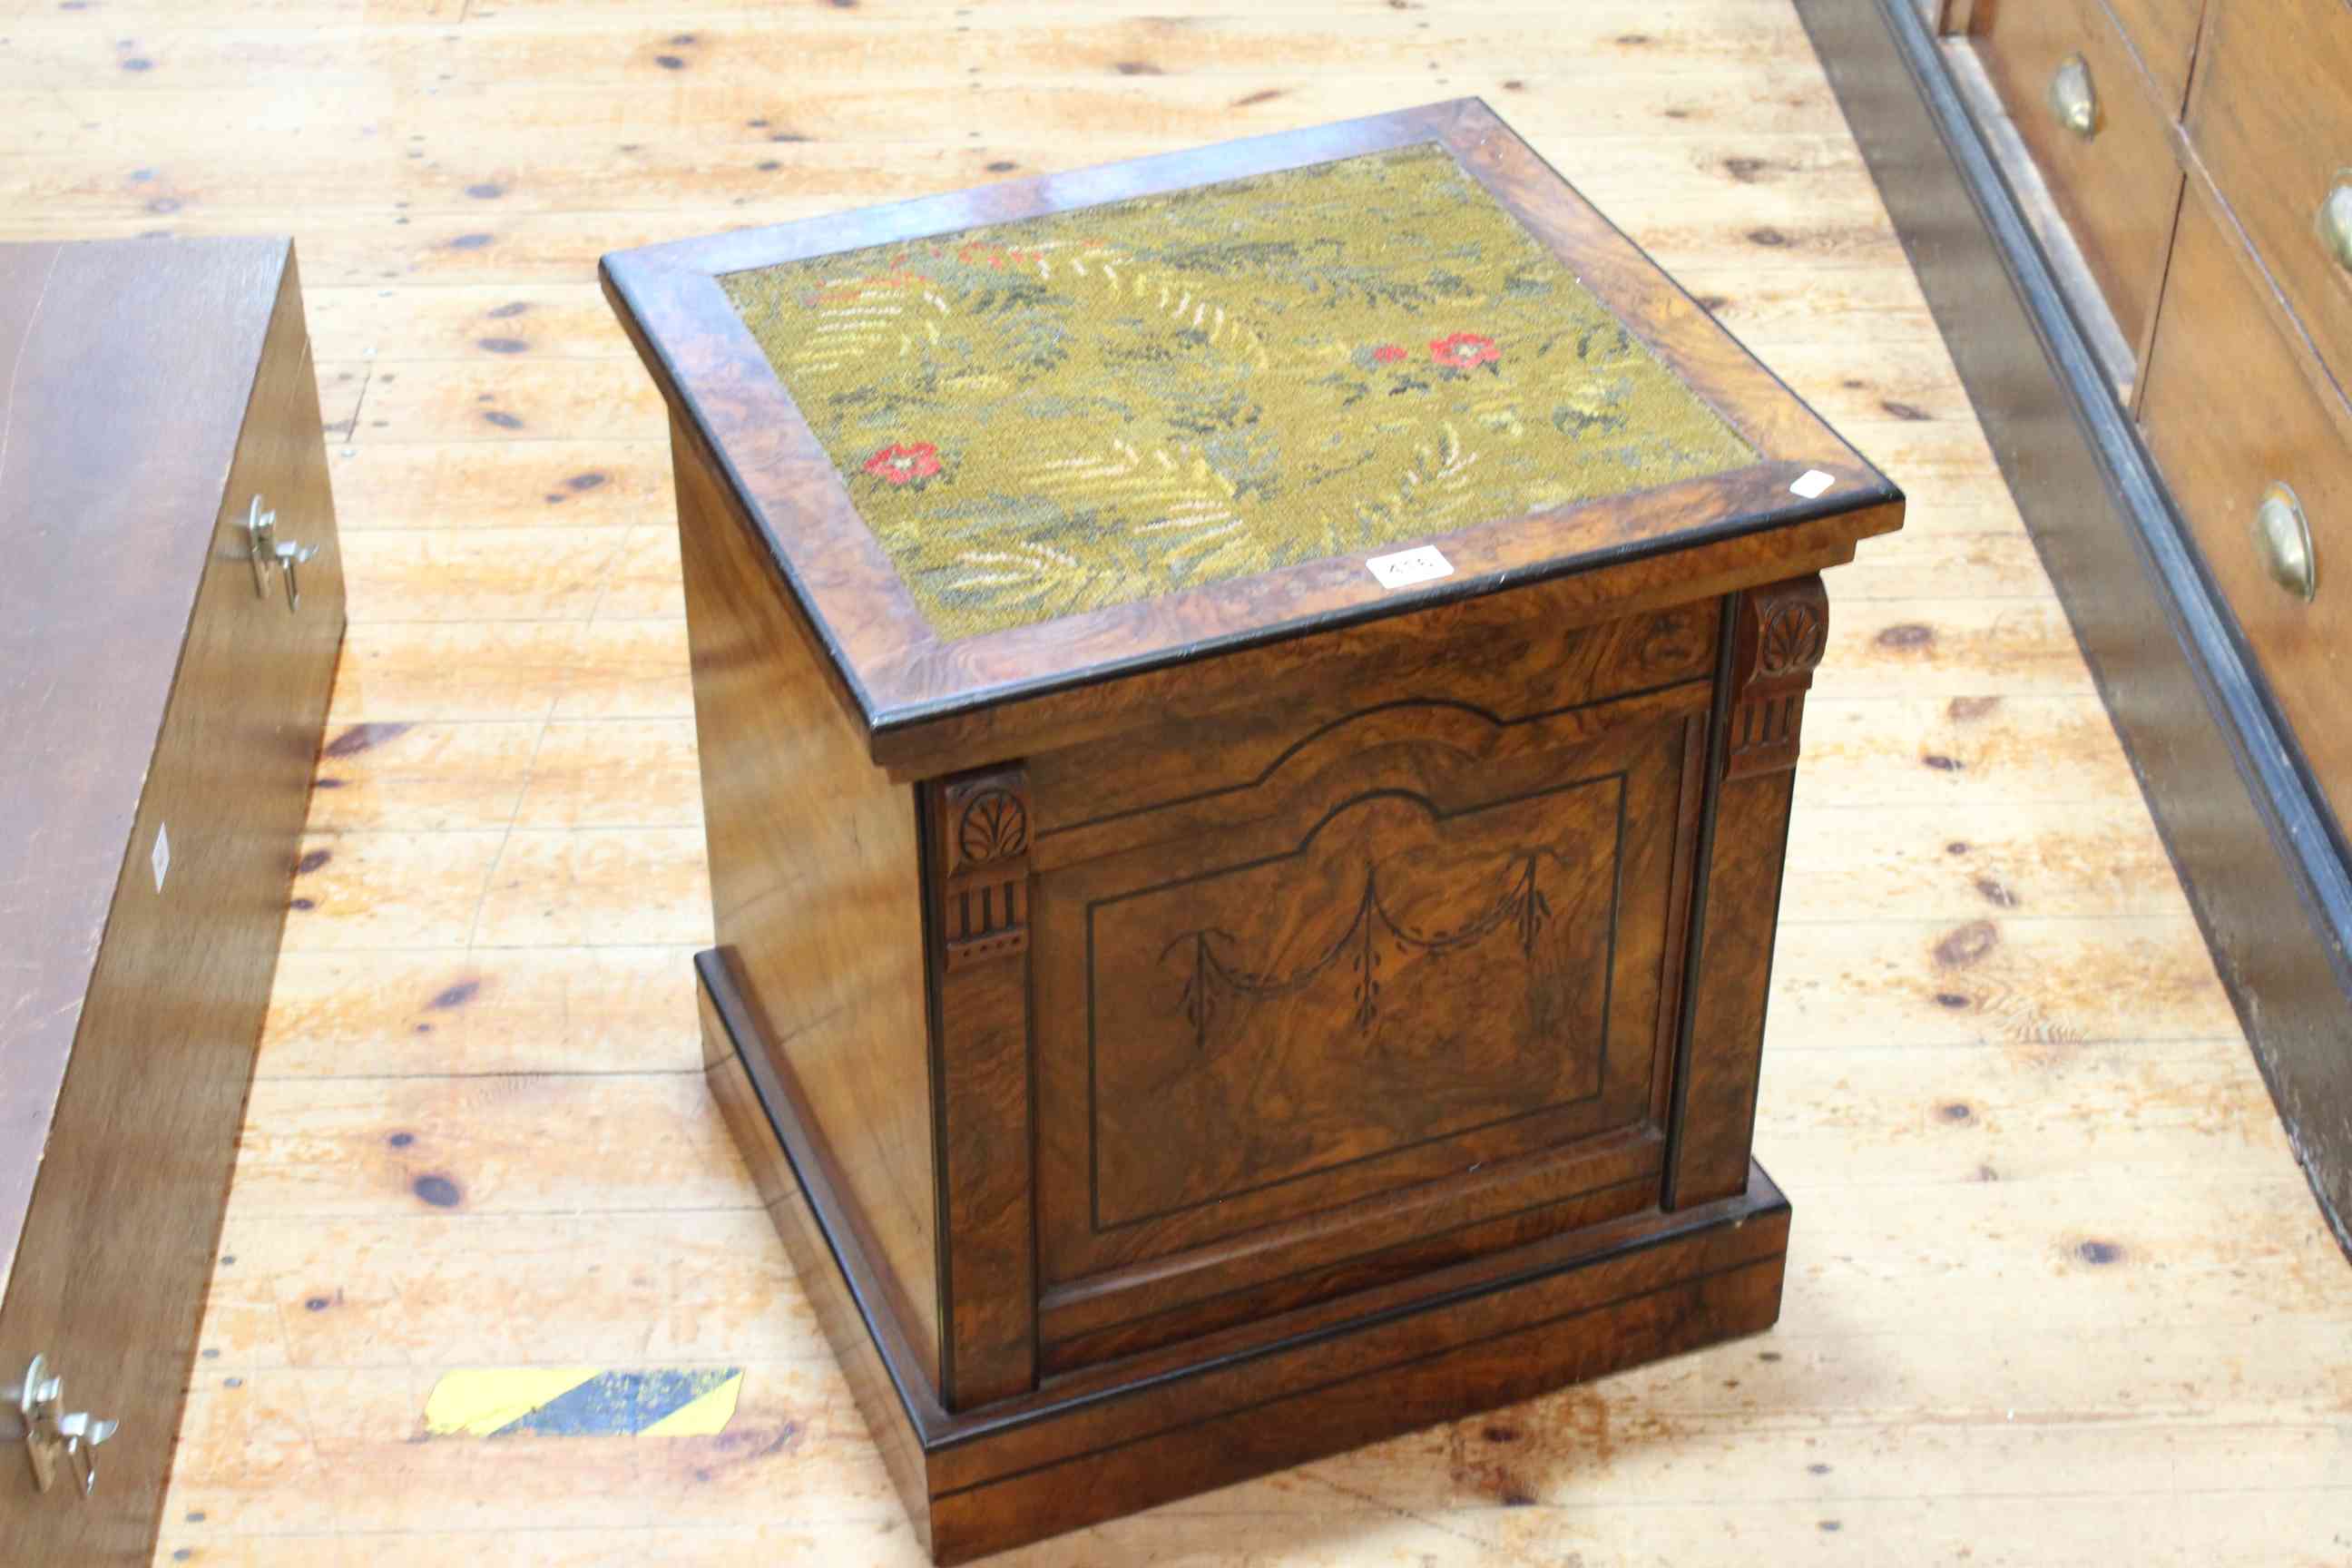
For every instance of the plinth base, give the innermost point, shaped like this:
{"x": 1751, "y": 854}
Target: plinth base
{"x": 1115, "y": 1438}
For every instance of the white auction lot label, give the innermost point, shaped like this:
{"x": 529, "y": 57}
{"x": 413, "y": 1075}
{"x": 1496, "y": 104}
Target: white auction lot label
{"x": 1407, "y": 567}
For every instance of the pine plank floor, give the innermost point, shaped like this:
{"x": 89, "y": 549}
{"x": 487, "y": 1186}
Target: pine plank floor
{"x": 2057, "y": 1290}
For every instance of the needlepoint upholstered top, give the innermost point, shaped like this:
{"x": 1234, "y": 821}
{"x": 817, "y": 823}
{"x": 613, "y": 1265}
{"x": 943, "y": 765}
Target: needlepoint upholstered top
{"x": 1247, "y": 705}
{"x": 1018, "y": 439}
{"x": 1119, "y": 402}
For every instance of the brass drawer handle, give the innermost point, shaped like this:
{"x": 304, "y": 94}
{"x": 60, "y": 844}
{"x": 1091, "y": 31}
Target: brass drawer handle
{"x": 2073, "y": 98}
{"x": 2282, "y": 537}
{"x": 2335, "y": 220}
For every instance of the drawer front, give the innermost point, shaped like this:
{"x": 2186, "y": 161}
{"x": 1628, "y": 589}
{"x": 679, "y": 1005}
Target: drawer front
{"x": 2272, "y": 121}
{"x": 2110, "y": 166}
{"x": 2165, "y": 34}
{"x": 2229, "y": 414}
{"x": 1419, "y": 990}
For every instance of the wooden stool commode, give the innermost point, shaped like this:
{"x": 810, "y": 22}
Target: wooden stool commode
{"x": 1248, "y": 704}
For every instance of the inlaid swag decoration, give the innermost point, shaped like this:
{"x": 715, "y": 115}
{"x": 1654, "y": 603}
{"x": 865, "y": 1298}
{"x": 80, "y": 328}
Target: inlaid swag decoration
{"x": 1218, "y": 975}
{"x": 1115, "y": 402}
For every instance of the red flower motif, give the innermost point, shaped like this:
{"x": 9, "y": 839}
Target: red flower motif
{"x": 1463, "y": 351}
{"x": 899, "y": 465}
{"x": 1388, "y": 353}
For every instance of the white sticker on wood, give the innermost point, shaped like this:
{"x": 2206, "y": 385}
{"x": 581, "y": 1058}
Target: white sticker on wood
{"x": 1407, "y": 567}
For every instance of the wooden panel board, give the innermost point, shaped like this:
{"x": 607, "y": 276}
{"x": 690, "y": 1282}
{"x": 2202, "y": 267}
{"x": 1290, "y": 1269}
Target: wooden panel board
{"x": 73, "y": 786}
{"x": 2117, "y": 185}
{"x": 108, "y": 1280}
{"x": 832, "y": 869}
{"x": 2269, "y": 125}
{"x": 2221, "y": 463}
{"x": 2164, "y": 33}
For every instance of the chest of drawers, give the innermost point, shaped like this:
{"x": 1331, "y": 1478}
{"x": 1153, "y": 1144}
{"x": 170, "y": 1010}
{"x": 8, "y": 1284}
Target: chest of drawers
{"x": 2134, "y": 219}
{"x": 2228, "y": 196}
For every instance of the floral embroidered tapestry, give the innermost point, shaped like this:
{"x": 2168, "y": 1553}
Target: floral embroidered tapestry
{"x": 1115, "y": 402}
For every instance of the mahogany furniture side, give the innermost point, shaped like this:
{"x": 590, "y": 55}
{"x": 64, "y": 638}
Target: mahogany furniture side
{"x": 163, "y": 697}
{"x": 2134, "y": 220}
{"x": 1184, "y": 1036}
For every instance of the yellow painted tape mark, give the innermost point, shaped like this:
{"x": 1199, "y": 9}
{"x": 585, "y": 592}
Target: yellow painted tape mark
{"x": 706, "y": 1415}
{"x": 477, "y": 1402}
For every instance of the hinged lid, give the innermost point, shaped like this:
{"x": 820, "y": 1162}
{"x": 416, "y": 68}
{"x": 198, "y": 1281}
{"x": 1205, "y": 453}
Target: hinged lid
{"x": 1059, "y": 430}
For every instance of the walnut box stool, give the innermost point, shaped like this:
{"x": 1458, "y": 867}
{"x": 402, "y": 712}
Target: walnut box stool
{"x": 1248, "y": 704}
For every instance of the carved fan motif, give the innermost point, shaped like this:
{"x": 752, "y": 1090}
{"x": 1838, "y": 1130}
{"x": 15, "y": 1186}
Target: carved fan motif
{"x": 994, "y": 827}
{"x": 1794, "y": 638}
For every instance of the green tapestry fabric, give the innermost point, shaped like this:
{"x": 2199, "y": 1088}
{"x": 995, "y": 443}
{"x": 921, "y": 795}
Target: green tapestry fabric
{"x": 1099, "y": 406}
